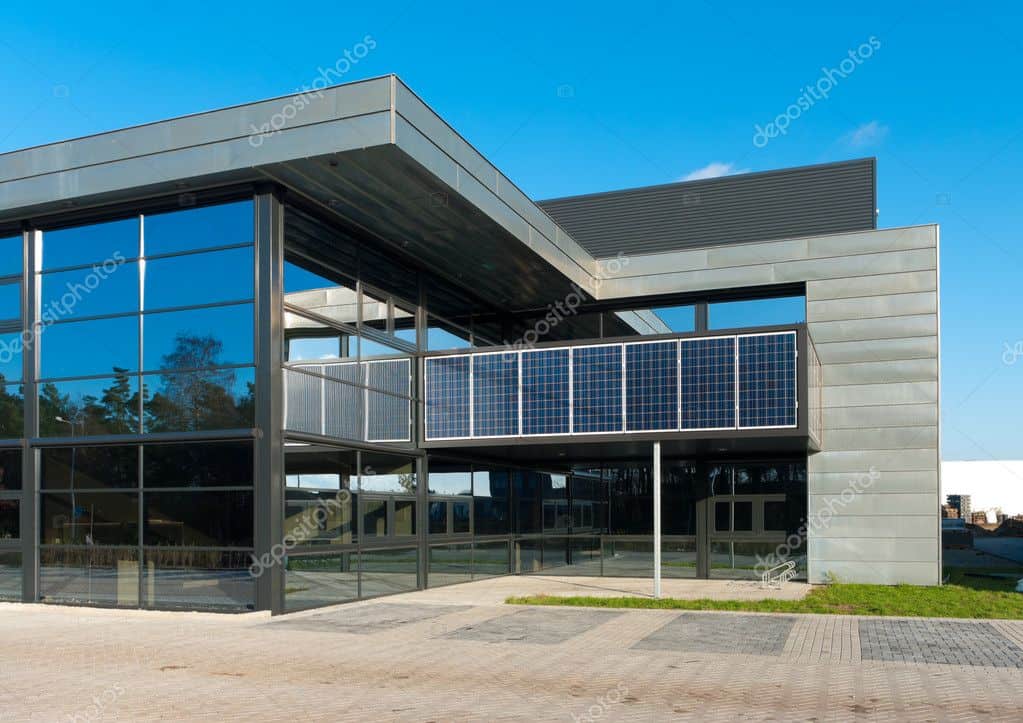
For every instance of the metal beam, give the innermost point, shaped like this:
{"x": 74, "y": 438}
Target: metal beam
{"x": 657, "y": 519}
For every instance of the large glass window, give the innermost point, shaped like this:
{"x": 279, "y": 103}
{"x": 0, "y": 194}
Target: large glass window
{"x": 757, "y": 312}
{"x": 195, "y": 313}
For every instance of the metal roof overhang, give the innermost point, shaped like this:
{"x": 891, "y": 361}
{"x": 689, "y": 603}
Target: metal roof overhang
{"x": 370, "y": 152}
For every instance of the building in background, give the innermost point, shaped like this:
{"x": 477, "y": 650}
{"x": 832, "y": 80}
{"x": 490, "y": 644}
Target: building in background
{"x": 275, "y": 357}
{"x": 962, "y": 505}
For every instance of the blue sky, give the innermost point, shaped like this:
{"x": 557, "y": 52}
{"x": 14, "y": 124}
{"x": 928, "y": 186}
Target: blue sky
{"x": 576, "y": 99}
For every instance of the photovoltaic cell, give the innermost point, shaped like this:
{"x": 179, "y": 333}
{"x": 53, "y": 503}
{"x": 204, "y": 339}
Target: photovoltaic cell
{"x": 495, "y": 395}
{"x": 767, "y": 380}
{"x": 545, "y": 392}
{"x": 447, "y": 397}
{"x": 344, "y": 402}
{"x": 708, "y": 383}
{"x": 304, "y": 401}
{"x": 651, "y": 386}
{"x": 597, "y": 389}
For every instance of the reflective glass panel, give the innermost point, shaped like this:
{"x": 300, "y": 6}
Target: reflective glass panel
{"x": 10, "y": 519}
{"x": 90, "y": 292}
{"x": 89, "y": 406}
{"x": 196, "y": 279}
{"x": 757, "y": 312}
{"x": 10, "y": 470}
{"x": 11, "y": 349}
{"x": 199, "y": 338}
{"x": 89, "y": 575}
{"x": 387, "y": 473}
{"x": 84, "y": 348}
{"x": 404, "y": 517}
{"x": 214, "y": 579}
{"x": 221, "y": 225}
{"x": 10, "y": 300}
{"x": 91, "y": 244}
{"x": 12, "y": 412}
{"x": 202, "y": 464}
{"x": 200, "y": 400}
{"x": 11, "y": 255}
{"x": 10, "y": 575}
{"x": 81, "y": 468}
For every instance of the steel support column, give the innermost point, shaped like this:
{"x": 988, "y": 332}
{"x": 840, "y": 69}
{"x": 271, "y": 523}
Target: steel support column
{"x": 657, "y": 519}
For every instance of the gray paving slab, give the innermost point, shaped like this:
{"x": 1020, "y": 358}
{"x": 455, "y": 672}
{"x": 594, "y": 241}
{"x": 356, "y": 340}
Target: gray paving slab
{"x": 740, "y": 634}
{"x": 538, "y": 626}
{"x": 945, "y": 642}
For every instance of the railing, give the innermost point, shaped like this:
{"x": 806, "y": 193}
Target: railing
{"x": 727, "y": 382}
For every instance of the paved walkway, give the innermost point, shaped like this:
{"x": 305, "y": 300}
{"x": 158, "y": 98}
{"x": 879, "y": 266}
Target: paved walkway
{"x": 417, "y": 658}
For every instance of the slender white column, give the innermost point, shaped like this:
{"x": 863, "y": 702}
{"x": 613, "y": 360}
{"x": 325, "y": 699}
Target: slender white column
{"x": 657, "y": 519}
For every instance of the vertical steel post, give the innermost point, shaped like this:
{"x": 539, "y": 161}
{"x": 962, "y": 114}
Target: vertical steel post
{"x": 657, "y": 519}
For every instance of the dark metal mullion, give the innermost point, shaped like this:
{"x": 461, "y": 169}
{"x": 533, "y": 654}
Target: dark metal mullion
{"x": 141, "y": 281}
{"x": 31, "y": 251}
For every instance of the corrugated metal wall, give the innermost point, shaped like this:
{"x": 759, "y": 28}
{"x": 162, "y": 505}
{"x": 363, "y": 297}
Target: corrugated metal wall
{"x": 789, "y": 203}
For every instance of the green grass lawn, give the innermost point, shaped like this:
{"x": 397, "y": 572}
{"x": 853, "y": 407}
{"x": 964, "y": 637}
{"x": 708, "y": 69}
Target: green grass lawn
{"x": 965, "y": 596}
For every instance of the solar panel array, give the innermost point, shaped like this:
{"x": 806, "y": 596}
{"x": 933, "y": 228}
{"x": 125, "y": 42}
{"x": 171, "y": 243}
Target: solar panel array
{"x": 545, "y": 392}
{"x": 686, "y": 384}
{"x": 767, "y": 380}
{"x": 495, "y": 394}
{"x": 651, "y": 386}
{"x": 707, "y": 392}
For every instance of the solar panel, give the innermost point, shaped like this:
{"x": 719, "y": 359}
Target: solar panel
{"x": 388, "y": 413}
{"x": 447, "y": 397}
{"x": 767, "y": 380}
{"x": 304, "y": 401}
{"x": 495, "y": 394}
{"x": 708, "y": 383}
{"x": 344, "y": 404}
{"x": 597, "y": 389}
{"x": 545, "y": 391}
{"x": 651, "y": 386}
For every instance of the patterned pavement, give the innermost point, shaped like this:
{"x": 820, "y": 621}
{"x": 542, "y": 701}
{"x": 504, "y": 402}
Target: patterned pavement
{"x": 399, "y": 659}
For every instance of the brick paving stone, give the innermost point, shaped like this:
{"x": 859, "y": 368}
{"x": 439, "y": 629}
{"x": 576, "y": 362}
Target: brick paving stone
{"x": 945, "y": 642}
{"x": 367, "y": 619}
{"x": 538, "y": 626}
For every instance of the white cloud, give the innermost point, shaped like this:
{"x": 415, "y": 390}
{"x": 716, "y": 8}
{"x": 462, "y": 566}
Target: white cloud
{"x": 868, "y": 134}
{"x": 714, "y": 169}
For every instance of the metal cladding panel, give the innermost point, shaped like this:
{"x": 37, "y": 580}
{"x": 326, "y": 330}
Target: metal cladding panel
{"x": 790, "y": 203}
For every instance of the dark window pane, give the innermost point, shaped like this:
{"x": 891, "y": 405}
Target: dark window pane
{"x": 10, "y": 470}
{"x": 90, "y": 518}
{"x": 84, "y": 348}
{"x": 89, "y": 575}
{"x": 743, "y": 517}
{"x": 11, "y": 255}
{"x": 200, "y": 400}
{"x": 198, "y": 338}
{"x": 10, "y": 575}
{"x": 527, "y": 499}
{"x": 199, "y": 278}
{"x": 83, "y": 468}
{"x": 374, "y": 518}
{"x": 774, "y": 516}
{"x": 198, "y": 519}
{"x": 204, "y": 464}
{"x": 404, "y": 517}
{"x": 186, "y": 578}
{"x": 722, "y": 516}
{"x": 461, "y": 516}
{"x": 91, "y": 244}
{"x": 10, "y": 298}
{"x": 113, "y": 289}
{"x": 221, "y": 225}
{"x": 12, "y": 412}
{"x": 314, "y": 517}
{"x": 490, "y": 501}
{"x": 10, "y": 519}
{"x": 89, "y": 406}
{"x": 439, "y": 518}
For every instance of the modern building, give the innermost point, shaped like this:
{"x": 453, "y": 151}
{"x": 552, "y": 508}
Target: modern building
{"x": 963, "y": 504}
{"x": 317, "y": 348}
